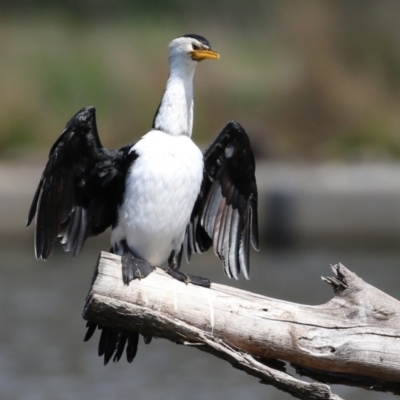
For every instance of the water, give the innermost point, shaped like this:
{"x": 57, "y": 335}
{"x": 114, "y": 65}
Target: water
{"x": 43, "y": 356}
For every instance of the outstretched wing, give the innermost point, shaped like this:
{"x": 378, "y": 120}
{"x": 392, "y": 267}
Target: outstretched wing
{"x": 225, "y": 213}
{"x": 77, "y": 195}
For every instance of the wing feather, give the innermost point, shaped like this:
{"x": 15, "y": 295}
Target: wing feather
{"x": 77, "y": 195}
{"x": 244, "y": 255}
{"x": 234, "y": 245}
{"x": 211, "y": 209}
{"x": 225, "y": 213}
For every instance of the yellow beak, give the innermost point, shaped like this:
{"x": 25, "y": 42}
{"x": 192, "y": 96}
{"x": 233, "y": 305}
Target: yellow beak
{"x": 202, "y": 54}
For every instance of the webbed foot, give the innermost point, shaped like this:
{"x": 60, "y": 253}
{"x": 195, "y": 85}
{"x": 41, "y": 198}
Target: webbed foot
{"x": 189, "y": 278}
{"x": 134, "y": 268}
{"x": 174, "y": 262}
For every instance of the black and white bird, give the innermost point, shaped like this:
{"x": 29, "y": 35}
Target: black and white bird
{"x": 161, "y": 196}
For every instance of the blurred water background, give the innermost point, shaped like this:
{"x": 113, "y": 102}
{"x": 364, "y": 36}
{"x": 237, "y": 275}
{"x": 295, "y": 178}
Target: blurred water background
{"x": 317, "y": 87}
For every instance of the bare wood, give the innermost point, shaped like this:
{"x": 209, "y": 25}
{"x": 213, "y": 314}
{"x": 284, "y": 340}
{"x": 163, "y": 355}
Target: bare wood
{"x": 353, "y": 339}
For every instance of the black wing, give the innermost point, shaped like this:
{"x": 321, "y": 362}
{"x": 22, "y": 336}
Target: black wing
{"x": 225, "y": 213}
{"x": 77, "y": 195}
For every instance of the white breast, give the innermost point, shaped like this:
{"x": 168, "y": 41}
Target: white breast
{"x": 161, "y": 189}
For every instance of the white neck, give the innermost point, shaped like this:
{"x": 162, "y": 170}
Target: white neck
{"x": 175, "y": 113}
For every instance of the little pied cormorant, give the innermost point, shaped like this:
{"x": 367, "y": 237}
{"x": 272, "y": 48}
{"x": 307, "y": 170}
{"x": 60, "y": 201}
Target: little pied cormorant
{"x": 161, "y": 195}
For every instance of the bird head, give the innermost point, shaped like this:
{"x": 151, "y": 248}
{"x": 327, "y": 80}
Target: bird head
{"x": 190, "y": 49}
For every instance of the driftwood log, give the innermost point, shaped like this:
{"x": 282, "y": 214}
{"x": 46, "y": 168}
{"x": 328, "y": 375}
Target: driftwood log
{"x": 353, "y": 339}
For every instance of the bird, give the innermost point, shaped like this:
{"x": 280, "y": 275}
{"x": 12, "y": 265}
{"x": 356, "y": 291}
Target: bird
{"x": 161, "y": 196}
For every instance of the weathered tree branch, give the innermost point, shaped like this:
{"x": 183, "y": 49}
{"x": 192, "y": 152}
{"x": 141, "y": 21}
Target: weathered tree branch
{"x": 353, "y": 339}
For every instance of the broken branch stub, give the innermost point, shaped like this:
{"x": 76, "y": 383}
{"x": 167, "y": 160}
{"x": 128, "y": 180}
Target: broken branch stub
{"x": 354, "y": 338}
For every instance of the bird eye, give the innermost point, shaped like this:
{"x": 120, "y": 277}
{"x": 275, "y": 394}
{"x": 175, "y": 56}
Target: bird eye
{"x": 195, "y": 47}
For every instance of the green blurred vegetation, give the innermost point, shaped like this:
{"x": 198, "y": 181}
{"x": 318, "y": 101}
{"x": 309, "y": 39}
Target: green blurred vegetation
{"x": 309, "y": 80}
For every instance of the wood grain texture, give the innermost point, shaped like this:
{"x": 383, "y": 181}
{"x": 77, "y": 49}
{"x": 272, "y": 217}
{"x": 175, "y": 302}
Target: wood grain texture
{"x": 353, "y": 339}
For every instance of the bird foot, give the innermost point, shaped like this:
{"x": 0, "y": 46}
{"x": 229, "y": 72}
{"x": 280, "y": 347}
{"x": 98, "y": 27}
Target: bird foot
{"x": 189, "y": 278}
{"x": 134, "y": 268}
